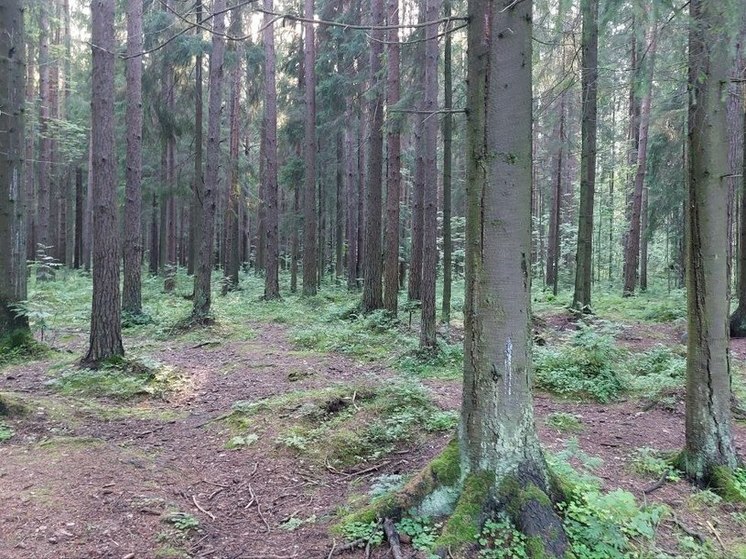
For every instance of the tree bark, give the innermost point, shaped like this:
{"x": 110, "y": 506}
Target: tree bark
{"x": 393, "y": 175}
{"x": 445, "y": 312}
{"x": 309, "y": 201}
{"x": 203, "y": 267}
{"x": 430, "y": 198}
{"x": 555, "y": 214}
{"x": 45, "y": 153}
{"x": 632, "y": 248}
{"x": 709, "y": 442}
{"x": 372, "y": 265}
{"x": 131, "y": 288}
{"x": 12, "y": 192}
{"x": 584, "y": 256}
{"x": 271, "y": 215}
{"x": 198, "y": 184}
{"x": 106, "y": 327}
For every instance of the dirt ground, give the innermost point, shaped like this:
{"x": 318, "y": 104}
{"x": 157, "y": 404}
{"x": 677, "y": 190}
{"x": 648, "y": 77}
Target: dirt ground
{"x": 81, "y": 480}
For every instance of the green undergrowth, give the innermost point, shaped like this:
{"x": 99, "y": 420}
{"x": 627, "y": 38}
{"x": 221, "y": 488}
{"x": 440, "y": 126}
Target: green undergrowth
{"x": 120, "y": 379}
{"x": 20, "y": 347}
{"x": 344, "y": 425}
{"x": 591, "y": 365}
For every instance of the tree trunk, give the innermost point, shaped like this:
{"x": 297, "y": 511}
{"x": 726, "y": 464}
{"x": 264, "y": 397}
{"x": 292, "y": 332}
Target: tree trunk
{"x": 352, "y": 201}
{"x": 203, "y": 266}
{"x": 45, "y": 153}
{"x": 584, "y": 256}
{"x": 106, "y": 327}
{"x": 12, "y": 194}
{"x": 30, "y": 167}
{"x": 555, "y": 214}
{"x": 500, "y": 451}
{"x": 231, "y": 223}
{"x": 79, "y": 211}
{"x": 372, "y": 265}
{"x": 131, "y": 288}
{"x": 271, "y": 215}
{"x": 430, "y": 198}
{"x": 738, "y": 319}
{"x": 709, "y": 442}
{"x": 632, "y": 248}
{"x": 198, "y": 186}
{"x": 445, "y": 313}
{"x": 393, "y": 178}
{"x": 309, "y": 201}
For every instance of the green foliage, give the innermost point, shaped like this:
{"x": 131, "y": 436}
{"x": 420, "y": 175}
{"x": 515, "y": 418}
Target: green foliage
{"x": 363, "y": 532}
{"x": 183, "y": 521}
{"x": 421, "y": 531}
{"x": 656, "y": 371}
{"x": 586, "y": 367}
{"x": 446, "y": 362}
{"x": 120, "y": 379}
{"x": 500, "y": 539}
{"x": 238, "y": 442}
{"x": 565, "y": 422}
{"x": 19, "y": 346}
{"x": 5, "y": 432}
{"x": 648, "y": 461}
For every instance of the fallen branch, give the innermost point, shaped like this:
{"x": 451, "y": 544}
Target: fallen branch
{"x": 688, "y": 531}
{"x": 658, "y": 484}
{"x": 201, "y": 509}
{"x": 393, "y": 537}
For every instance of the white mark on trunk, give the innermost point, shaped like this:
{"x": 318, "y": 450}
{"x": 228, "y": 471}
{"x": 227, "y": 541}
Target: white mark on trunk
{"x": 509, "y": 364}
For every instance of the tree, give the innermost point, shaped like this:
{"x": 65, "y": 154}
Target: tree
{"x": 430, "y": 197}
{"x": 372, "y": 265}
{"x": 12, "y": 195}
{"x": 709, "y": 443}
{"x": 393, "y": 175}
{"x": 106, "y": 327}
{"x": 271, "y": 216}
{"x": 309, "y": 191}
{"x": 131, "y": 287}
{"x": 445, "y": 313}
{"x": 632, "y": 246}
{"x": 45, "y": 152}
{"x": 203, "y": 266}
{"x": 198, "y": 183}
{"x": 584, "y": 255}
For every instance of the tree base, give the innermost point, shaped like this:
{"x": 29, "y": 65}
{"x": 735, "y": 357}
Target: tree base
{"x": 439, "y": 491}
{"x": 738, "y": 323}
{"x": 717, "y": 477}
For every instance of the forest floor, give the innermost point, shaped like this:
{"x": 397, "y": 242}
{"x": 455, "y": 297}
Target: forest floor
{"x": 252, "y": 438}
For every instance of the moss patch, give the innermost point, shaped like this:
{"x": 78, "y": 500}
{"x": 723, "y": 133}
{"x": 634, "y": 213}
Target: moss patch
{"x": 463, "y": 527}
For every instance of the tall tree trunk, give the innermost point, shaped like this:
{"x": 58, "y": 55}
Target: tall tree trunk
{"x": 709, "y": 442}
{"x": 231, "y": 219}
{"x": 644, "y": 240}
{"x": 632, "y": 248}
{"x": 271, "y": 216}
{"x": 106, "y": 326}
{"x": 555, "y": 214}
{"x": 445, "y": 312}
{"x": 393, "y": 178}
{"x": 79, "y": 211}
{"x": 45, "y": 153}
{"x": 30, "y": 167}
{"x": 351, "y": 176}
{"x": 372, "y": 265}
{"x": 198, "y": 185}
{"x": 738, "y": 318}
{"x": 54, "y": 115}
{"x": 500, "y": 451}
{"x": 131, "y": 288}
{"x": 203, "y": 267}
{"x": 430, "y": 199}
{"x": 309, "y": 200}
{"x": 12, "y": 192}
{"x": 584, "y": 256}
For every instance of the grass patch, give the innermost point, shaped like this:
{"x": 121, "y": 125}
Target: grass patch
{"x": 120, "y": 379}
{"x": 564, "y": 422}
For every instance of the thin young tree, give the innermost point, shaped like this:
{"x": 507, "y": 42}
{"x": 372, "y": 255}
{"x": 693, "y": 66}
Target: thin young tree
{"x": 12, "y": 194}
{"x": 198, "y": 184}
{"x": 131, "y": 286}
{"x": 709, "y": 449}
{"x": 271, "y": 210}
{"x": 445, "y": 312}
{"x": 106, "y": 326}
{"x": 393, "y": 167}
{"x": 372, "y": 264}
{"x": 309, "y": 190}
{"x": 589, "y": 77}
{"x": 203, "y": 266}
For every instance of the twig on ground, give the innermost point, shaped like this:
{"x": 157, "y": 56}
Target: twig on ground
{"x": 201, "y": 509}
{"x": 253, "y": 498}
{"x": 334, "y": 546}
{"x": 658, "y": 484}
{"x": 259, "y": 510}
{"x": 717, "y": 534}
{"x": 393, "y": 537}
{"x": 212, "y": 495}
{"x": 215, "y": 484}
{"x": 688, "y": 531}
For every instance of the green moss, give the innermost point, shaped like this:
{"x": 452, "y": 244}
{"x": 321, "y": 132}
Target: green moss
{"x": 463, "y": 527}
{"x": 380, "y": 507}
{"x": 11, "y": 406}
{"x": 446, "y": 467}
{"x": 726, "y": 485}
{"x": 535, "y": 548}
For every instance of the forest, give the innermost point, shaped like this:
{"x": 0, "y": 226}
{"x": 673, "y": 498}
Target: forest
{"x": 423, "y": 279}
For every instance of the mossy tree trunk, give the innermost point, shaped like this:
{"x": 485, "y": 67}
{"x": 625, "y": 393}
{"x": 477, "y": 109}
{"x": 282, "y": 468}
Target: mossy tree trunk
{"x": 709, "y": 443}
{"x": 502, "y": 465}
{"x": 12, "y": 208}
